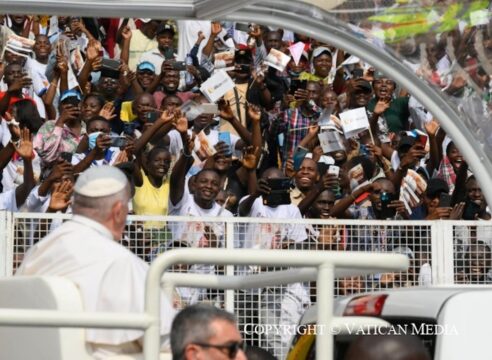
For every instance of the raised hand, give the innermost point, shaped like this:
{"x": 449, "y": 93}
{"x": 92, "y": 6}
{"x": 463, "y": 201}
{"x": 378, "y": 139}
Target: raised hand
{"x": 13, "y": 125}
{"x": 181, "y": 125}
{"x": 107, "y": 111}
{"x": 250, "y": 157}
{"x": 103, "y": 142}
{"x": 225, "y": 110}
{"x": 19, "y": 83}
{"x": 215, "y": 29}
{"x": 263, "y": 188}
{"x": 381, "y": 106}
{"x": 122, "y": 157}
{"x": 432, "y": 127}
{"x": 70, "y": 112}
{"x": 254, "y": 113}
{"x": 25, "y": 148}
{"x": 126, "y": 33}
{"x": 289, "y": 168}
{"x": 60, "y": 196}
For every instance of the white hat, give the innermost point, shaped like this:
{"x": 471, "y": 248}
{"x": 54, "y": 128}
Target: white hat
{"x": 320, "y": 50}
{"x": 100, "y": 181}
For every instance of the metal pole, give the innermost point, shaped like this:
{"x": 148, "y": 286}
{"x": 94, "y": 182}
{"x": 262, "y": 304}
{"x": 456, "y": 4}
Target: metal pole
{"x": 324, "y": 296}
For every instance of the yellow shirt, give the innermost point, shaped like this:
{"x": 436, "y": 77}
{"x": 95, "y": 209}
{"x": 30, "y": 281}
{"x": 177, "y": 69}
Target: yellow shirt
{"x": 149, "y": 200}
{"x": 139, "y": 44}
{"x": 126, "y": 113}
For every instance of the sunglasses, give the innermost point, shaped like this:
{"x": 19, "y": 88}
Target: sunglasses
{"x": 231, "y": 349}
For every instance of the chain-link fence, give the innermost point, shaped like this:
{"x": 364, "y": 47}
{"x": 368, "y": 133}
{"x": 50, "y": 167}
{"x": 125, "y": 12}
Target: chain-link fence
{"x": 433, "y": 257}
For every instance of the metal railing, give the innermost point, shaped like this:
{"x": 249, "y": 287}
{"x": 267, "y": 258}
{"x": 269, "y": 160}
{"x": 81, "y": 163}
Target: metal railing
{"x": 440, "y": 253}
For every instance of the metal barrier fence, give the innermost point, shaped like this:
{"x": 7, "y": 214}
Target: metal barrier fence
{"x": 440, "y": 253}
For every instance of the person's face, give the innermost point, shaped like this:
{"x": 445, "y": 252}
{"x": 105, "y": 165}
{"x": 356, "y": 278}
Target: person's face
{"x": 362, "y": 97}
{"x": 98, "y": 126}
{"x": 221, "y": 198}
{"x": 307, "y": 175}
{"x": 145, "y": 78}
{"x": 273, "y": 41}
{"x": 143, "y": 106}
{"x": 475, "y": 194}
{"x": 159, "y": 164}
{"x": 165, "y": 40}
{"x": 63, "y": 106}
{"x": 222, "y": 163}
{"x": 431, "y": 202}
{"x": 171, "y": 104}
{"x": 383, "y": 88}
{"x": 454, "y": 156}
{"x": 108, "y": 86}
{"x": 62, "y": 21}
{"x": 13, "y": 73}
{"x": 171, "y": 81}
{"x": 479, "y": 263}
{"x": 324, "y": 203}
{"x": 207, "y": 186}
{"x": 322, "y": 65}
{"x": 73, "y": 23}
{"x": 42, "y": 47}
{"x": 18, "y": 19}
{"x": 329, "y": 99}
{"x": 300, "y": 67}
{"x": 380, "y": 187}
{"x": 388, "y": 281}
{"x": 225, "y": 333}
{"x": 350, "y": 286}
{"x": 11, "y": 58}
{"x": 90, "y": 108}
{"x": 313, "y": 90}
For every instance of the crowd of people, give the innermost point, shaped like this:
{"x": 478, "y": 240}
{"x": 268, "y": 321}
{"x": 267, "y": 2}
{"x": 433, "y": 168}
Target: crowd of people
{"x": 210, "y": 119}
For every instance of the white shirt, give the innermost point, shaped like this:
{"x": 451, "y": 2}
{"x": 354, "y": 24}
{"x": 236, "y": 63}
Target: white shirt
{"x": 109, "y": 276}
{"x": 188, "y": 34}
{"x": 7, "y": 201}
{"x": 192, "y": 232}
{"x": 268, "y": 236}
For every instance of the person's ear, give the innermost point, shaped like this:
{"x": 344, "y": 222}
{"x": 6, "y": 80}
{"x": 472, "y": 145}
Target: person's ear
{"x": 192, "y": 352}
{"x": 119, "y": 212}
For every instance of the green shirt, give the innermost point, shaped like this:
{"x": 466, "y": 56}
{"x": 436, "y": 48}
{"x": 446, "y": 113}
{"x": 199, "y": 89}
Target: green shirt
{"x": 396, "y": 115}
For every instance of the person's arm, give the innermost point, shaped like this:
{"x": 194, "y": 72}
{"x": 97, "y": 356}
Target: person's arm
{"x": 103, "y": 142}
{"x": 311, "y": 136}
{"x": 178, "y": 174}
{"x": 328, "y": 181}
{"x": 50, "y": 96}
{"x": 255, "y": 189}
{"x": 14, "y": 88}
{"x": 93, "y": 62}
{"x": 413, "y": 155}
{"x": 338, "y": 210}
{"x": 459, "y": 192}
{"x": 215, "y": 29}
{"x": 381, "y": 106}
{"x": 62, "y": 168}
{"x": 60, "y": 197}
{"x": 432, "y": 127}
{"x": 264, "y": 92}
{"x": 164, "y": 123}
{"x": 51, "y": 141}
{"x": 25, "y": 151}
{"x": 227, "y": 114}
{"x": 126, "y": 35}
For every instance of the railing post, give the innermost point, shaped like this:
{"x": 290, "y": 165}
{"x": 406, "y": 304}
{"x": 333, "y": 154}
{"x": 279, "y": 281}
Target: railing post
{"x": 229, "y": 244}
{"x": 6, "y": 244}
{"x": 448, "y": 252}
{"x": 324, "y": 295}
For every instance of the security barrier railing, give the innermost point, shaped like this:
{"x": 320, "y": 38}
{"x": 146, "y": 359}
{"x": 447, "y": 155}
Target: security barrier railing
{"x": 440, "y": 253}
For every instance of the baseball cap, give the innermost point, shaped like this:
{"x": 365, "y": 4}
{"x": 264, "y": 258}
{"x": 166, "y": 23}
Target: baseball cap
{"x": 70, "y": 95}
{"x": 146, "y": 65}
{"x": 362, "y": 85}
{"x": 321, "y": 50}
{"x": 99, "y": 181}
{"x": 165, "y": 28}
{"x": 435, "y": 187}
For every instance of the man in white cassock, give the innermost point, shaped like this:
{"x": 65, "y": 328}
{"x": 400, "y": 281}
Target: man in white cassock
{"x": 85, "y": 250}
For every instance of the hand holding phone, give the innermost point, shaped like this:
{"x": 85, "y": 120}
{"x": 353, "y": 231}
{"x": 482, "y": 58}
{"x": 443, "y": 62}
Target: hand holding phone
{"x": 299, "y": 156}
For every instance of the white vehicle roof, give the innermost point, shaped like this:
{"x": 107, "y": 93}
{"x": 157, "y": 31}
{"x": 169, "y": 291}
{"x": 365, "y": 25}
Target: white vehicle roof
{"x": 423, "y": 302}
